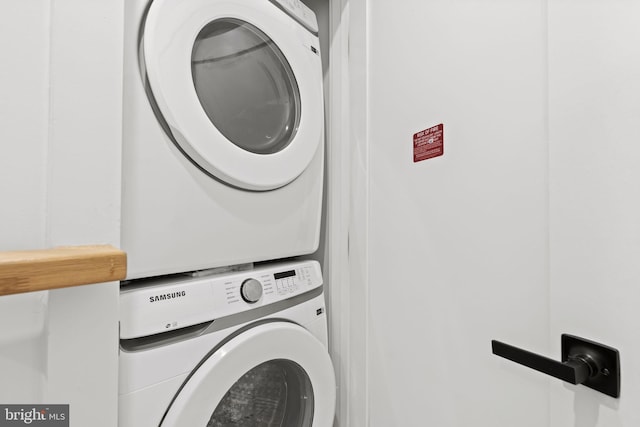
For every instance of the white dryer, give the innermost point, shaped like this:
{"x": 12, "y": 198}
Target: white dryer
{"x": 244, "y": 349}
{"x": 223, "y": 133}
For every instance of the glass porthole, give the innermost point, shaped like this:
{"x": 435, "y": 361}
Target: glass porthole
{"x": 246, "y": 86}
{"x": 276, "y": 393}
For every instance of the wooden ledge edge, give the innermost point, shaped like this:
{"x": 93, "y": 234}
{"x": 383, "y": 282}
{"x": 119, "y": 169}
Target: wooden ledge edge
{"x": 60, "y": 267}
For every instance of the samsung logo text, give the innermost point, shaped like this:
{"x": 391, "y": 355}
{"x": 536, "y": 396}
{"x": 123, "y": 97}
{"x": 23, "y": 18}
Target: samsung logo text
{"x": 167, "y": 296}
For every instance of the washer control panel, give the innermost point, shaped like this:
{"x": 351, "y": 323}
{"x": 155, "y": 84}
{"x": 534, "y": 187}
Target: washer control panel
{"x": 251, "y": 291}
{"x": 168, "y": 303}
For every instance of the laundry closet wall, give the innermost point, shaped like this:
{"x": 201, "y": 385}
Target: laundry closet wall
{"x": 457, "y": 244}
{"x": 435, "y": 247}
{"x": 60, "y": 139}
{"x": 526, "y": 227}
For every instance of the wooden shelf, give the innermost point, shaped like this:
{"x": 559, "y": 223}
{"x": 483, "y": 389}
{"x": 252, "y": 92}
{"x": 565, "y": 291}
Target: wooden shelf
{"x": 39, "y": 270}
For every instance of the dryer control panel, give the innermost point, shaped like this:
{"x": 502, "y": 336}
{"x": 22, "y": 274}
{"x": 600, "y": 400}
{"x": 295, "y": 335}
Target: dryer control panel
{"x": 300, "y": 12}
{"x": 172, "y": 303}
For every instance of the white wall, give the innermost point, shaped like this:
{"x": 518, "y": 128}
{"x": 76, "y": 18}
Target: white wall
{"x": 333, "y": 248}
{"x": 594, "y": 70}
{"x": 24, "y": 115}
{"x": 60, "y": 111}
{"x": 456, "y": 247}
{"x": 24, "y": 111}
{"x": 346, "y": 209}
{"x": 525, "y": 229}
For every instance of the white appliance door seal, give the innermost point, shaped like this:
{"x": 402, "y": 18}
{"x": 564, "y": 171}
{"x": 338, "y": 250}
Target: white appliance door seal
{"x": 241, "y": 94}
{"x": 267, "y": 347}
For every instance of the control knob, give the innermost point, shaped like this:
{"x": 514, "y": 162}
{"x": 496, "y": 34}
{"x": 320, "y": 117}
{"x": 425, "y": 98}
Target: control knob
{"x": 251, "y": 290}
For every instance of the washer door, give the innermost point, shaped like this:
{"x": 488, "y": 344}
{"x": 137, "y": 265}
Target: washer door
{"x": 274, "y": 374}
{"x": 239, "y": 90}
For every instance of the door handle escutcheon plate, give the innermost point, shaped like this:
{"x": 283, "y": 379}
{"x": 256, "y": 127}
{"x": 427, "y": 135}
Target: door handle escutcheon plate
{"x": 585, "y": 362}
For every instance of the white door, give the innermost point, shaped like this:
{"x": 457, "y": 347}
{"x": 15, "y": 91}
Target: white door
{"x": 239, "y": 87}
{"x": 273, "y": 374}
{"x": 594, "y": 201}
{"x": 526, "y": 228}
{"x": 594, "y": 106}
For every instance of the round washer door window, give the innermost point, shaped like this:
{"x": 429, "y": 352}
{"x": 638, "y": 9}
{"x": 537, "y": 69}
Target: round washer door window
{"x": 246, "y": 86}
{"x": 239, "y": 86}
{"x": 275, "y": 393}
{"x": 273, "y": 374}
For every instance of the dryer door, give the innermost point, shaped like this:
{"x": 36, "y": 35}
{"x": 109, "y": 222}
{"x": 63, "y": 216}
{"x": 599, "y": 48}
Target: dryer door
{"x": 239, "y": 84}
{"x": 273, "y": 374}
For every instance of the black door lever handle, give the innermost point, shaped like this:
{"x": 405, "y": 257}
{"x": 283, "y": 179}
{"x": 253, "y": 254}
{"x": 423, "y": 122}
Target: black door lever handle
{"x": 583, "y": 362}
{"x": 574, "y": 371}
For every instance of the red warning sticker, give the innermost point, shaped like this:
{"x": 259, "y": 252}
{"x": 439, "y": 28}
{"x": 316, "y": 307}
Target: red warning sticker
{"x": 428, "y": 143}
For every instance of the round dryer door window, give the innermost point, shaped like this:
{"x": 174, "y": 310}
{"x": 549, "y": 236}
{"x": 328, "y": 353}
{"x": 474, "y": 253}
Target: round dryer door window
{"x": 246, "y": 86}
{"x": 272, "y": 374}
{"x": 239, "y": 87}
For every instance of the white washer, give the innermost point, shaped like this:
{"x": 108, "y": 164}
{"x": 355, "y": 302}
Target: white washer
{"x": 241, "y": 349}
{"x": 223, "y": 133}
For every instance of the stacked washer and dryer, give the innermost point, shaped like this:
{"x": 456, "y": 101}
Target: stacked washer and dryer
{"x": 222, "y": 180}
